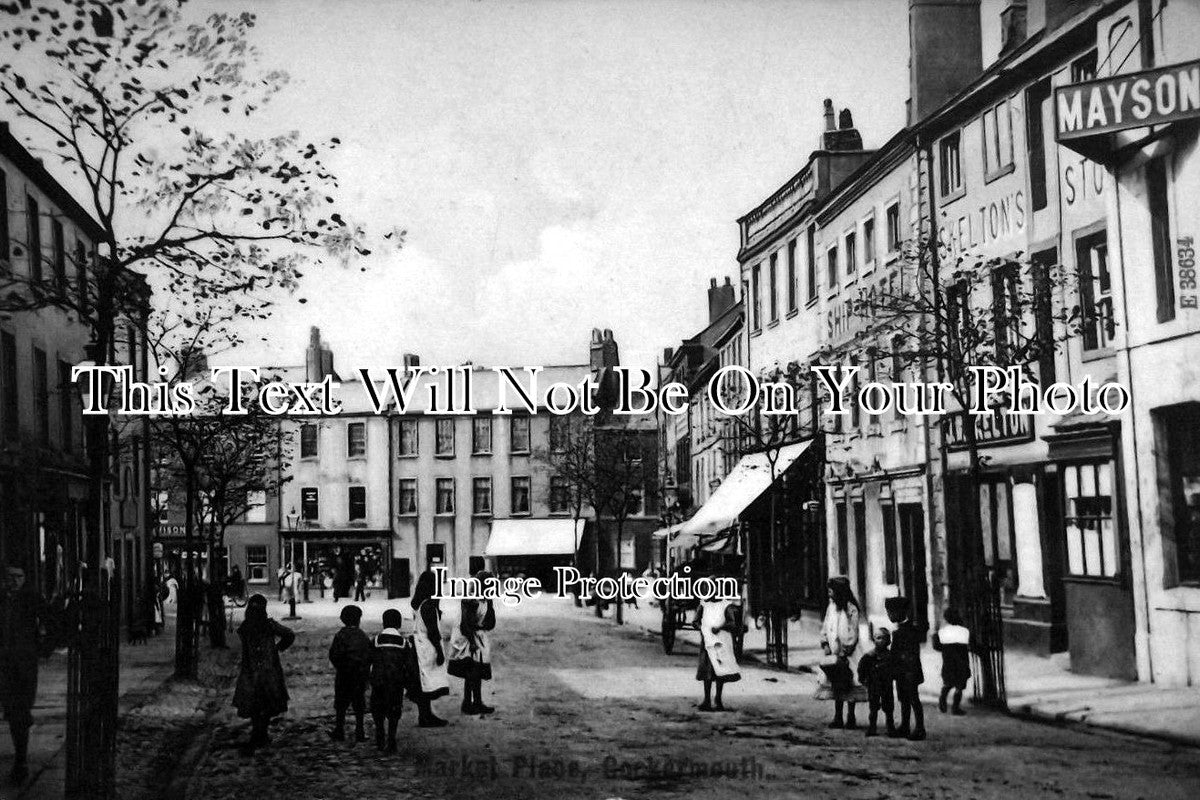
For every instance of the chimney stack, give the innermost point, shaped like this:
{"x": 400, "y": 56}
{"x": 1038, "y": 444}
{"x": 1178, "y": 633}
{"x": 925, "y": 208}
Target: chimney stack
{"x": 1014, "y": 25}
{"x": 318, "y": 359}
{"x": 603, "y": 350}
{"x": 843, "y": 137}
{"x": 721, "y": 298}
{"x": 946, "y": 52}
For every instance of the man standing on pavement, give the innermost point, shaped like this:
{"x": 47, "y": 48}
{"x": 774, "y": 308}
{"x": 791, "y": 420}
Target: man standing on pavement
{"x": 21, "y": 618}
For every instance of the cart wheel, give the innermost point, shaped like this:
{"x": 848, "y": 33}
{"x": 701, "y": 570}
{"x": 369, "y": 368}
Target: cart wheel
{"x": 668, "y": 627}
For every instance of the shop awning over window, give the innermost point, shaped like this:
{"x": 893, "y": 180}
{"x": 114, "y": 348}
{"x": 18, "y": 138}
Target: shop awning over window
{"x": 743, "y": 485}
{"x": 534, "y": 537}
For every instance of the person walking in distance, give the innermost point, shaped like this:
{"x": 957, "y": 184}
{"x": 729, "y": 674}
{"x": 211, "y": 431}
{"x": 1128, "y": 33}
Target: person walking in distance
{"x": 261, "y": 692}
{"x": 21, "y": 621}
{"x": 360, "y": 583}
{"x": 431, "y": 656}
{"x": 350, "y": 654}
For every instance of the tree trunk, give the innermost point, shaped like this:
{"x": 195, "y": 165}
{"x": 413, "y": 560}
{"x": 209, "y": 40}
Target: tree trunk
{"x": 185, "y": 622}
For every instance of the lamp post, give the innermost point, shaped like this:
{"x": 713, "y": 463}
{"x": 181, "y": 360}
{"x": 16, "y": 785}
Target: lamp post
{"x": 292, "y": 519}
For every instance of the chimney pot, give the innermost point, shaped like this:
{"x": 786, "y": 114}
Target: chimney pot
{"x": 828, "y": 114}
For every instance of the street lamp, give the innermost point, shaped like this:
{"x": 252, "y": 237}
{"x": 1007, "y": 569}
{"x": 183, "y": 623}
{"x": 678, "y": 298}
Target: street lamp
{"x": 292, "y": 519}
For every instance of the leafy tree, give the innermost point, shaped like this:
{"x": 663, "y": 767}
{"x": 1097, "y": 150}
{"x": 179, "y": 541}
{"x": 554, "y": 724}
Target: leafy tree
{"x": 940, "y": 314}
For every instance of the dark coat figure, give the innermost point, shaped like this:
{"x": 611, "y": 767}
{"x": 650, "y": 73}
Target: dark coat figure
{"x": 906, "y": 667}
{"x": 215, "y": 601}
{"x": 875, "y": 673}
{"x": 953, "y": 641}
{"x": 235, "y": 584}
{"x": 261, "y": 692}
{"x": 360, "y": 584}
{"x": 350, "y": 654}
{"x": 342, "y": 576}
{"x": 22, "y": 615}
{"x": 393, "y": 673}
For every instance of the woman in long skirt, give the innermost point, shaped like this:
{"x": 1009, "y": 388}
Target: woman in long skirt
{"x": 431, "y": 657}
{"x": 839, "y": 640}
{"x": 470, "y": 653}
{"x": 261, "y": 692}
{"x": 718, "y": 663}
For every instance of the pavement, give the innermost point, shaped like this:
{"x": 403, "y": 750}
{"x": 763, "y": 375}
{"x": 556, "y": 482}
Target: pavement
{"x": 1039, "y": 688}
{"x": 144, "y": 669}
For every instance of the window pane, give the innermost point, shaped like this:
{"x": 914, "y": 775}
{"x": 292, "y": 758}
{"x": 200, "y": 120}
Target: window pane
{"x": 989, "y": 141}
{"x": 1091, "y": 548}
{"x": 1108, "y": 541}
{"x": 445, "y": 437}
{"x": 1004, "y": 155}
{"x": 1075, "y": 549}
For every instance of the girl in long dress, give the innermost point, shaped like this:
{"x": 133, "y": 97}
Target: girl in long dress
{"x": 261, "y": 692}
{"x": 431, "y": 657}
{"x": 718, "y": 663}
{"x": 839, "y": 640}
{"x": 470, "y": 653}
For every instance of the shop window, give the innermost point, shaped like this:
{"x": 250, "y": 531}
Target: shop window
{"x": 356, "y": 439}
{"x": 256, "y": 564}
{"x": 1095, "y": 291}
{"x": 444, "y": 440}
{"x": 481, "y": 496}
{"x": 481, "y": 435}
{"x": 407, "y": 497}
{"x": 1179, "y": 437}
{"x": 519, "y": 434}
{"x": 308, "y": 440}
{"x": 1091, "y": 529}
{"x": 520, "y": 495}
{"x": 408, "y": 437}
{"x": 996, "y": 527}
{"x": 356, "y": 503}
{"x": 445, "y": 495}
{"x": 950, "y": 165}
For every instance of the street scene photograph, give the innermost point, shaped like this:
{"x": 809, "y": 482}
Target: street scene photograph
{"x": 599, "y": 399}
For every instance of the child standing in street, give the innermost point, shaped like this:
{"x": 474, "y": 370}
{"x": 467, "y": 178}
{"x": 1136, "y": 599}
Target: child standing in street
{"x": 906, "y": 668}
{"x": 717, "y": 619}
{"x": 393, "y": 671}
{"x": 954, "y": 643}
{"x": 875, "y": 673}
{"x": 350, "y": 655}
{"x": 470, "y": 653}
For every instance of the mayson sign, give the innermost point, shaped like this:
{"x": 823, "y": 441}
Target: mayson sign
{"x": 1128, "y": 101}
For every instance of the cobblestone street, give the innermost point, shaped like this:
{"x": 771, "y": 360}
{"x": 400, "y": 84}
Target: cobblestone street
{"x": 587, "y": 709}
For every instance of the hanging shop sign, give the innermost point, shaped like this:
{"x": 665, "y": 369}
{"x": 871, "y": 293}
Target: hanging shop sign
{"x": 1127, "y": 101}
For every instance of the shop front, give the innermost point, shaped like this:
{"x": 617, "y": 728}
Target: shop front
{"x": 534, "y": 547}
{"x": 333, "y": 560}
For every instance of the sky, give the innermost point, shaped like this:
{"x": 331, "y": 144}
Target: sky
{"x": 559, "y": 165}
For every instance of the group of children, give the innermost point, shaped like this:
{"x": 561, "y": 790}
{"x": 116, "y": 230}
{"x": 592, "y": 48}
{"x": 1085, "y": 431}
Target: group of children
{"x": 896, "y": 660}
{"x": 391, "y": 666}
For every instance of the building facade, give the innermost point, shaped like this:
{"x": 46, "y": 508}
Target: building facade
{"x": 47, "y": 238}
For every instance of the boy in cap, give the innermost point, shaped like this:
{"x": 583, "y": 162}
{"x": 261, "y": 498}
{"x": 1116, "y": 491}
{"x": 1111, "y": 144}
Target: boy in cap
{"x": 906, "y": 667}
{"x": 350, "y": 655}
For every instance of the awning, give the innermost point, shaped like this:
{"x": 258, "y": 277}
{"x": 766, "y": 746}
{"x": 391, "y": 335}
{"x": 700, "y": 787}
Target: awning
{"x": 741, "y": 487}
{"x": 533, "y": 537}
